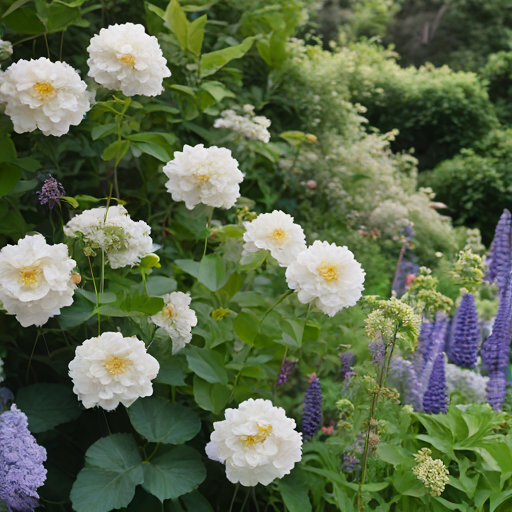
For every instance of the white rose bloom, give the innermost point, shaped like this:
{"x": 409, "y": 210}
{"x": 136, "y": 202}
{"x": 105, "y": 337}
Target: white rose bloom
{"x": 277, "y": 233}
{"x": 124, "y": 241}
{"x": 204, "y": 175}
{"x": 43, "y": 94}
{"x": 35, "y": 280}
{"x": 112, "y": 369}
{"x": 257, "y": 442}
{"x": 177, "y": 319}
{"x": 328, "y": 275}
{"x": 125, "y": 58}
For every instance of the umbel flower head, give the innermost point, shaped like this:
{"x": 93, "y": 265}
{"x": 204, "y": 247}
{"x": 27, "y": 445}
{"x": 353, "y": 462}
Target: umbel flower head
{"x": 435, "y": 399}
{"x": 35, "y": 280}
{"x": 312, "y": 413}
{"x": 257, "y": 442}
{"x": 328, "y": 275}
{"x": 124, "y": 241}
{"x": 43, "y": 94}
{"x": 51, "y": 192}
{"x": 432, "y": 472}
{"x": 112, "y": 369}
{"x": 248, "y": 125}
{"x": 177, "y": 319}
{"x": 125, "y": 58}
{"x": 204, "y": 175}
{"x": 275, "y": 232}
{"x": 21, "y": 463}
{"x": 466, "y": 334}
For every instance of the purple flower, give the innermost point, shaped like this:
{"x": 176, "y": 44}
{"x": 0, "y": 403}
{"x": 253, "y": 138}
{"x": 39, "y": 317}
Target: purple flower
{"x": 466, "y": 335}
{"x": 21, "y": 463}
{"x": 287, "y": 369}
{"x": 347, "y": 360}
{"x": 425, "y": 338}
{"x": 435, "y": 399}
{"x": 51, "y": 192}
{"x": 6, "y": 396}
{"x": 312, "y": 413}
{"x": 496, "y": 388}
{"x": 499, "y": 255}
{"x": 403, "y": 377}
{"x": 377, "y": 351}
{"x": 350, "y": 463}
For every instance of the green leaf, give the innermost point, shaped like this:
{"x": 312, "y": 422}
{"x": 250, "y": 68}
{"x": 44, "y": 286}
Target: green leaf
{"x": 76, "y": 314}
{"x": 294, "y": 491}
{"x": 195, "y": 35}
{"x": 212, "y": 272}
{"x": 60, "y": 16}
{"x": 393, "y": 454}
{"x": 175, "y": 472}
{"x": 160, "y": 285}
{"x": 103, "y": 130}
{"x": 105, "y": 298}
{"x": 153, "y": 150}
{"x": 10, "y": 174}
{"x": 208, "y": 364}
{"x": 25, "y": 21}
{"x": 116, "y": 151}
{"x": 159, "y": 421}
{"x": 175, "y": 17}
{"x": 246, "y": 326}
{"x": 113, "y": 470}
{"x": 47, "y": 405}
{"x": 71, "y": 201}
{"x": 14, "y": 6}
{"x": 211, "y": 397}
{"x": 253, "y": 260}
{"x": 212, "y": 62}
{"x": 171, "y": 373}
{"x": 7, "y": 149}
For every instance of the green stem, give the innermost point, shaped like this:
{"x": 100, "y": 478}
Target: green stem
{"x": 32, "y": 354}
{"x": 234, "y": 497}
{"x": 97, "y": 296}
{"x": 153, "y": 452}
{"x": 246, "y": 500}
{"x": 255, "y": 500}
{"x": 207, "y": 232}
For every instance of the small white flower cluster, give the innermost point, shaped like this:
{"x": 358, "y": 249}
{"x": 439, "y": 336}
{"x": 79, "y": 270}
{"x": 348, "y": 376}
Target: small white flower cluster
{"x": 468, "y": 383}
{"x": 112, "y": 369}
{"x": 177, "y": 319}
{"x": 35, "y": 280}
{"x": 124, "y": 241}
{"x": 248, "y": 125}
{"x": 432, "y": 472}
{"x": 256, "y": 442}
{"x": 52, "y": 97}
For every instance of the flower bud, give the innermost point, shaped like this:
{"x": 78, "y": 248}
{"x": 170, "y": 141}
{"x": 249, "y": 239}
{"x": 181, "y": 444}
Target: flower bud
{"x": 5, "y": 50}
{"x": 76, "y": 278}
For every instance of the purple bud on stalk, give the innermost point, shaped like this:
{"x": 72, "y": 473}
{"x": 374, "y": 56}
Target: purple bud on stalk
{"x": 312, "y": 413}
{"x": 51, "y": 192}
{"x": 435, "y": 399}
{"x": 287, "y": 368}
{"x": 466, "y": 334}
{"x": 347, "y": 360}
{"x": 350, "y": 463}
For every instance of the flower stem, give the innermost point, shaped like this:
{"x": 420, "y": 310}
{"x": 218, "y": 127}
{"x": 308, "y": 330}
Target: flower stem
{"x": 234, "y": 497}
{"x": 97, "y": 296}
{"x": 255, "y": 500}
{"x": 246, "y": 500}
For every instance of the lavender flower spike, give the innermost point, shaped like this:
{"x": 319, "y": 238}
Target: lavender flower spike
{"x": 466, "y": 334}
{"x": 496, "y": 389}
{"x": 499, "y": 255}
{"x": 21, "y": 463}
{"x": 51, "y": 192}
{"x": 287, "y": 369}
{"x": 435, "y": 399}
{"x": 312, "y": 414}
{"x": 347, "y": 360}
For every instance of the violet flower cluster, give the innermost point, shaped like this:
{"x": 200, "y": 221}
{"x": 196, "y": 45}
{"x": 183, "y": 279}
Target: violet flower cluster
{"x": 21, "y": 463}
{"x": 465, "y": 334}
{"x": 287, "y": 368}
{"x": 435, "y": 399}
{"x": 312, "y": 413}
{"x": 51, "y": 192}
{"x": 499, "y": 255}
{"x": 347, "y": 361}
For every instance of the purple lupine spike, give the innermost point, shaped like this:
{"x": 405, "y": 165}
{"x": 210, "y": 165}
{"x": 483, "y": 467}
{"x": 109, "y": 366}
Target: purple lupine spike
{"x": 347, "y": 360}
{"x": 466, "y": 335}
{"x": 403, "y": 377}
{"x": 499, "y": 255}
{"x": 350, "y": 463}
{"x": 425, "y": 338}
{"x": 51, "y": 192}
{"x": 287, "y": 368}
{"x": 6, "y": 396}
{"x": 312, "y": 413}
{"x": 377, "y": 351}
{"x": 21, "y": 463}
{"x": 496, "y": 389}
{"x": 435, "y": 399}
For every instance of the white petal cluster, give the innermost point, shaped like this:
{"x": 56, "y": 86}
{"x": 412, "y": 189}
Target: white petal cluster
{"x": 112, "y": 369}
{"x": 328, "y": 275}
{"x": 471, "y": 385}
{"x": 35, "y": 280}
{"x": 204, "y": 175}
{"x": 275, "y": 232}
{"x": 125, "y": 58}
{"x": 124, "y": 241}
{"x": 248, "y": 125}
{"x": 45, "y": 95}
{"x": 177, "y": 319}
{"x": 257, "y": 442}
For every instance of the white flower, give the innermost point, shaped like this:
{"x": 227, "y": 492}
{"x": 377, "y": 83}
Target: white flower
{"x": 471, "y": 385}
{"x": 124, "y": 241}
{"x": 204, "y": 175}
{"x": 125, "y": 58}
{"x": 328, "y": 275}
{"x": 35, "y": 280}
{"x": 177, "y": 319}
{"x": 250, "y": 126}
{"x": 5, "y": 49}
{"x": 277, "y": 233}
{"x": 111, "y": 369}
{"x": 45, "y": 95}
{"x": 257, "y": 442}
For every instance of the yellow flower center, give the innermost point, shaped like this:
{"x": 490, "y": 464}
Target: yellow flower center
{"x": 116, "y": 365}
{"x": 278, "y": 235}
{"x": 203, "y": 178}
{"x": 169, "y": 311}
{"x": 328, "y": 271}
{"x": 263, "y": 432}
{"x": 44, "y": 89}
{"x": 29, "y": 276}
{"x": 128, "y": 58}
